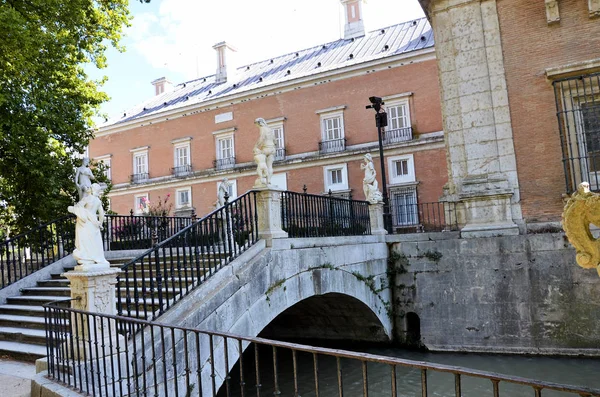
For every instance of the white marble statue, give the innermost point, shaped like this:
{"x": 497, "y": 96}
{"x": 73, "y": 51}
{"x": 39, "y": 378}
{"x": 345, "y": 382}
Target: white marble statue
{"x": 370, "y": 185}
{"x": 221, "y": 192}
{"x": 83, "y": 178}
{"x": 264, "y": 153}
{"x": 89, "y": 249}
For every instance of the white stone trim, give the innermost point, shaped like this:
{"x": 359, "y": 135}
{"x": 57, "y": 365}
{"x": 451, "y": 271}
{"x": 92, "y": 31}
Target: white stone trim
{"x": 103, "y": 157}
{"x": 584, "y": 67}
{"x": 310, "y": 80}
{"x": 331, "y": 109}
{"x": 396, "y": 179}
{"x": 178, "y": 204}
{"x": 276, "y": 120}
{"x": 185, "y": 139}
{"x": 139, "y": 149}
{"x": 338, "y": 186}
{"x": 230, "y": 130}
{"x": 395, "y": 97}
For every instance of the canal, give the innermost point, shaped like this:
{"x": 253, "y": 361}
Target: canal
{"x": 567, "y": 370}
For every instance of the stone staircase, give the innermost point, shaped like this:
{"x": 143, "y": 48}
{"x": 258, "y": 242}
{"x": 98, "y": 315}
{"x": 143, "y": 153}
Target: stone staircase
{"x": 22, "y": 324}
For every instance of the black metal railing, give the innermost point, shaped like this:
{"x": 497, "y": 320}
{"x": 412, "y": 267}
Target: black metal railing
{"x": 124, "y": 232}
{"x": 397, "y": 135}
{"x": 104, "y": 355}
{"x": 182, "y": 170}
{"x": 139, "y": 178}
{"x": 310, "y": 215}
{"x": 279, "y": 154}
{"x": 334, "y": 145}
{"x": 423, "y": 217}
{"x": 29, "y": 252}
{"x": 152, "y": 282}
{"x": 224, "y": 163}
{"x": 578, "y": 112}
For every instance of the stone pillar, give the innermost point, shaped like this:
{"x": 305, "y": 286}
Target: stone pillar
{"x": 268, "y": 204}
{"x": 482, "y": 170}
{"x": 93, "y": 292}
{"x": 376, "y": 217}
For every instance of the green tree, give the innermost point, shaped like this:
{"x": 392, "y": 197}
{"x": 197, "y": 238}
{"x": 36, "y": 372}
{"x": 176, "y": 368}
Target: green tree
{"x": 46, "y": 99}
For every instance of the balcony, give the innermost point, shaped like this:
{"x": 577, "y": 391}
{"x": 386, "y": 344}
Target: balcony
{"x": 332, "y": 146}
{"x": 221, "y": 164}
{"x": 139, "y": 178}
{"x": 397, "y": 135}
{"x": 181, "y": 170}
{"x": 280, "y": 154}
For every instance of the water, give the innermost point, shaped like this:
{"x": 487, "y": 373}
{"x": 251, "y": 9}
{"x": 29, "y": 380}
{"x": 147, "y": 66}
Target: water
{"x": 574, "y": 371}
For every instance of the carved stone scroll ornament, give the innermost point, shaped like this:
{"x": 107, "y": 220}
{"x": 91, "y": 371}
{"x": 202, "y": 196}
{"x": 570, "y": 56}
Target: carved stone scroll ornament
{"x": 581, "y": 210}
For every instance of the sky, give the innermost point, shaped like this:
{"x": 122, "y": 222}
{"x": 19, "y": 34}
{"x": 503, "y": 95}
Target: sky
{"x": 174, "y": 38}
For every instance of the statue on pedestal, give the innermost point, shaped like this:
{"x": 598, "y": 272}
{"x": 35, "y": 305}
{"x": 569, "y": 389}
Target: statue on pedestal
{"x": 83, "y": 178}
{"x": 370, "y": 185}
{"x": 89, "y": 249}
{"x": 222, "y": 191}
{"x": 264, "y": 153}
{"x": 581, "y": 210}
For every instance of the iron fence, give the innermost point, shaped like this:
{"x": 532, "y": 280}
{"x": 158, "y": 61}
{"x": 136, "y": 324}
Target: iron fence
{"x": 149, "y": 284}
{"x": 279, "y": 154}
{"x": 182, "y": 170}
{"x": 29, "y": 252}
{"x": 409, "y": 217}
{"x": 310, "y": 215}
{"x": 220, "y": 164}
{"x": 333, "y": 145}
{"x": 397, "y": 135}
{"x": 139, "y": 178}
{"x": 578, "y": 113}
{"x": 122, "y": 232}
{"x": 104, "y": 355}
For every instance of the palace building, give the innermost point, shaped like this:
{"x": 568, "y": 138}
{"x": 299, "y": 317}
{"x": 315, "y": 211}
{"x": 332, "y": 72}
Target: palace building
{"x": 189, "y": 136}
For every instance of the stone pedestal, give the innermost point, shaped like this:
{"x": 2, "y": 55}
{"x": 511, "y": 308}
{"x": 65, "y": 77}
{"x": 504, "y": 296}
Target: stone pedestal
{"x": 376, "y": 217}
{"x": 94, "y": 292}
{"x": 268, "y": 204}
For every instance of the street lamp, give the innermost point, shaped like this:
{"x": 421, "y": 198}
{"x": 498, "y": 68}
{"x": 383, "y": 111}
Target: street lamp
{"x": 381, "y": 122}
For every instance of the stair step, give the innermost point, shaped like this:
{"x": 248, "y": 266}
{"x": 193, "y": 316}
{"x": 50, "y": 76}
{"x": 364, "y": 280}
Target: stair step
{"x": 49, "y": 291}
{"x": 22, "y": 310}
{"x": 28, "y": 335}
{"x": 22, "y": 351}
{"x": 35, "y": 300}
{"x": 11, "y": 320}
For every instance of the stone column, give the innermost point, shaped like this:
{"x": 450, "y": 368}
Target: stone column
{"x": 93, "y": 292}
{"x": 376, "y": 217}
{"x": 268, "y": 204}
{"x": 482, "y": 170}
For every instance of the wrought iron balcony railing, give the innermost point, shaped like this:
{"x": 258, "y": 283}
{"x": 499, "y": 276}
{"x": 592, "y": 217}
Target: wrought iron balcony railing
{"x": 423, "y": 217}
{"x": 332, "y": 146}
{"x": 224, "y": 163}
{"x": 280, "y": 154}
{"x": 139, "y": 178}
{"x": 182, "y": 170}
{"x": 397, "y": 135}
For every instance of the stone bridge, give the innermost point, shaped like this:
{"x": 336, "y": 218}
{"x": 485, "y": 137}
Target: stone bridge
{"x": 332, "y": 288}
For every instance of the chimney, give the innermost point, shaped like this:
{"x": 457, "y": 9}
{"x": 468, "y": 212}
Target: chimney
{"x": 162, "y": 85}
{"x": 226, "y": 66}
{"x": 354, "y": 19}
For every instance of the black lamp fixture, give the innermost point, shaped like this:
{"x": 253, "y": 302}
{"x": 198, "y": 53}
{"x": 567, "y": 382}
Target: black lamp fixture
{"x": 380, "y": 123}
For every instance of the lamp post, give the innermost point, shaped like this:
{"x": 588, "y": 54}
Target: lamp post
{"x": 381, "y": 122}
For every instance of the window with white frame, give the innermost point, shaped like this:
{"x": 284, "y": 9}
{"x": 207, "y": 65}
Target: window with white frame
{"x": 105, "y": 160}
{"x": 332, "y": 129}
{"x": 141, "y": 204}
{"x": 404, "y": 206}
{"x": 335, "y": 177}
{"x": 401, "y": 169}
{"x": 398, "y": 114}
{"x": 225, "y": 155}
{"x": 140, "y": 164}
{"x": 184, "y": 197}
{"x": 276, "y": 126}
{"x": 181, "y": 156}
{"x": 279, "y": 141}
{"x": 231, "y": 190}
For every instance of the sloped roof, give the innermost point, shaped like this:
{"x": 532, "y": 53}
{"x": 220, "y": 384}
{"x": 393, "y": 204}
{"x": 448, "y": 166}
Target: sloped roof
{"x": 378, "y": 44}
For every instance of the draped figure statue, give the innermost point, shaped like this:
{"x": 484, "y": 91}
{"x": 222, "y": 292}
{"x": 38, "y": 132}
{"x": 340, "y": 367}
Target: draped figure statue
{"x": 89, "y": 248}
{"x": 370, "y": 185}
{"x": 83, "y": 178}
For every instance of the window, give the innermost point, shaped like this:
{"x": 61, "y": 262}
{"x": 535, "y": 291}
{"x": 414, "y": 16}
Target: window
{"x": 181, "y": 157}
{"x": 184, "y": 197}
{"x": 277, "y": 126}
{"x": 335, "y": 177}
{"x": 140, "y": 164}
{"x": 332, "y": 129}
{"x": 225, "y": 155}
{"x": 578, "y": 111}
{"x": 232, "y": 191}
{"x": 404, "y": 206}
{"x": 105, "y": 160}
{"x": 398, "y": 128}
{"x": 401, "y": 169}
{"x": 141, "y": 204}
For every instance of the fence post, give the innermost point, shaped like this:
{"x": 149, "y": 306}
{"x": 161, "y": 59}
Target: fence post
{"x": 376, "y": 218}
{"x": 268, "y": 207}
